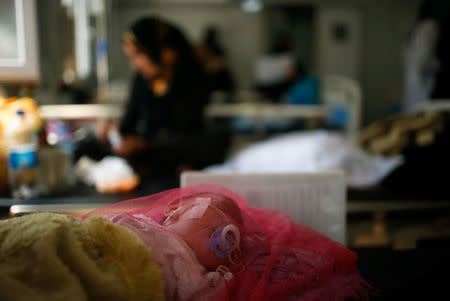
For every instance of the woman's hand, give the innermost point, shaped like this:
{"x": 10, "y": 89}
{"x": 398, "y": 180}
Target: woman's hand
{"x": 103, "y": 127}
{"x": 130, "y": 145}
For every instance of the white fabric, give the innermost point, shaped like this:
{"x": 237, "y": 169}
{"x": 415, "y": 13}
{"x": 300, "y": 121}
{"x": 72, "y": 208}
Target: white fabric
{"x": 314, "y": 151}
{"x": 110, "y": 169}
{"x": 421, "y": 64}
{"x": 271, "y": 69}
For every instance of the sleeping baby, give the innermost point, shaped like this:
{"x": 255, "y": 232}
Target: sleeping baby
{"x": 196, "y": 243}
{"x": 204, "y": 240}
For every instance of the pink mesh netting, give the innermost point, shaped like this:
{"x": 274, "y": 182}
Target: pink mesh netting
{"x": 268, "y": 257}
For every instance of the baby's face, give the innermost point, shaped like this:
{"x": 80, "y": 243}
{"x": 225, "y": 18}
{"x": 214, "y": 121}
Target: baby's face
{"x": 196, "y": 231}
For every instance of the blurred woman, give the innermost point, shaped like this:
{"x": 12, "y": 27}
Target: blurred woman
{"x": 162, "y": 127}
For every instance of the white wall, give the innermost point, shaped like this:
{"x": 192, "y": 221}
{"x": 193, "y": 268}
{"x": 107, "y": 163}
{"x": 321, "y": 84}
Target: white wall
{"x": 386, "y": 24}
{"x": 339, "y": 57}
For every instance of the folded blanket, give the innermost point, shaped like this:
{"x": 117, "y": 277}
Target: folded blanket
{"x": 49, "y": 256}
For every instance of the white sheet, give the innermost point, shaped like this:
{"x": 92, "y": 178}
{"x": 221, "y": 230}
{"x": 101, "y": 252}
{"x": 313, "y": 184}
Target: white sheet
{"x": 314, "y": 151}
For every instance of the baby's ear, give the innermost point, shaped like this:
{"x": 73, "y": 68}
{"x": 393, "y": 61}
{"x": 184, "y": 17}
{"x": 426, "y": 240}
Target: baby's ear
{"x": 172, "y": 206}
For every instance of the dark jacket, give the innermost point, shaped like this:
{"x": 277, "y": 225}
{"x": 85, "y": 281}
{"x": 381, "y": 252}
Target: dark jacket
{"x": 178, "y": 112}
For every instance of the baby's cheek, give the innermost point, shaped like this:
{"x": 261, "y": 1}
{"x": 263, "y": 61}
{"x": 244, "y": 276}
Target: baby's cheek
{"x": 204, "y": 254}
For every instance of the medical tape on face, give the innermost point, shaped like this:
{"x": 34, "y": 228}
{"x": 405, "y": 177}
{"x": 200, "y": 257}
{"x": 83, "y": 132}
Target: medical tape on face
{"x": 194, "y": 210}
{"x": 199, "y": 208}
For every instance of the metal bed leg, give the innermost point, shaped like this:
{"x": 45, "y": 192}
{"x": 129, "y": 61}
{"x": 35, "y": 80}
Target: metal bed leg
{"x": 379, "y": 237}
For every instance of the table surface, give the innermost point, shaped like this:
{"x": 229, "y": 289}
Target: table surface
{"x": 379, "y": 199}
{"x": 85, "y": 195}
{"x": 245, "y": 109}
{"x": 77, "y": 112}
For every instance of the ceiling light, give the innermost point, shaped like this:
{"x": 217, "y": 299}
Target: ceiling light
{"x": 251, "y": 6}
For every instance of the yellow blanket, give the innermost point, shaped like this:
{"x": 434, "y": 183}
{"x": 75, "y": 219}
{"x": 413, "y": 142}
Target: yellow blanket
{"x": 49, "y": 256}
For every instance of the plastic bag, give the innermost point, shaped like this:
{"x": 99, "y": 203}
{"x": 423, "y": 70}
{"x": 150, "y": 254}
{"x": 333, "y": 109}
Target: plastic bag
{"x": 110, "y": 175}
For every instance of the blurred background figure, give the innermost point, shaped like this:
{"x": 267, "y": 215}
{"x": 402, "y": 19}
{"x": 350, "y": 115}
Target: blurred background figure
{"x": 427, "y": 59}
{"x": 304, "y": 89}
{"x": 272, "y": 70}
{"x": 162, "y": 127}
{"x": 213, "y": 57}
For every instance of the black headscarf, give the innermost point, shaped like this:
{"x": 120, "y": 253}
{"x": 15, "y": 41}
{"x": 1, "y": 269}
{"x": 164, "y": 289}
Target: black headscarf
{"x": 153, "y": 34}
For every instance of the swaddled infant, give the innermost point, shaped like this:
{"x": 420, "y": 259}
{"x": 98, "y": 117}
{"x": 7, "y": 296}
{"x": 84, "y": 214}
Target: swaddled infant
{"x": 196, "y": 244}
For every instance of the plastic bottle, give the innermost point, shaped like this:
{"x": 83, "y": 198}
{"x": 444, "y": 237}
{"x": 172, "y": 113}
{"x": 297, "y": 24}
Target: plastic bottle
{"x": 60, "y": 135}
{"x": 22, "y": 146}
